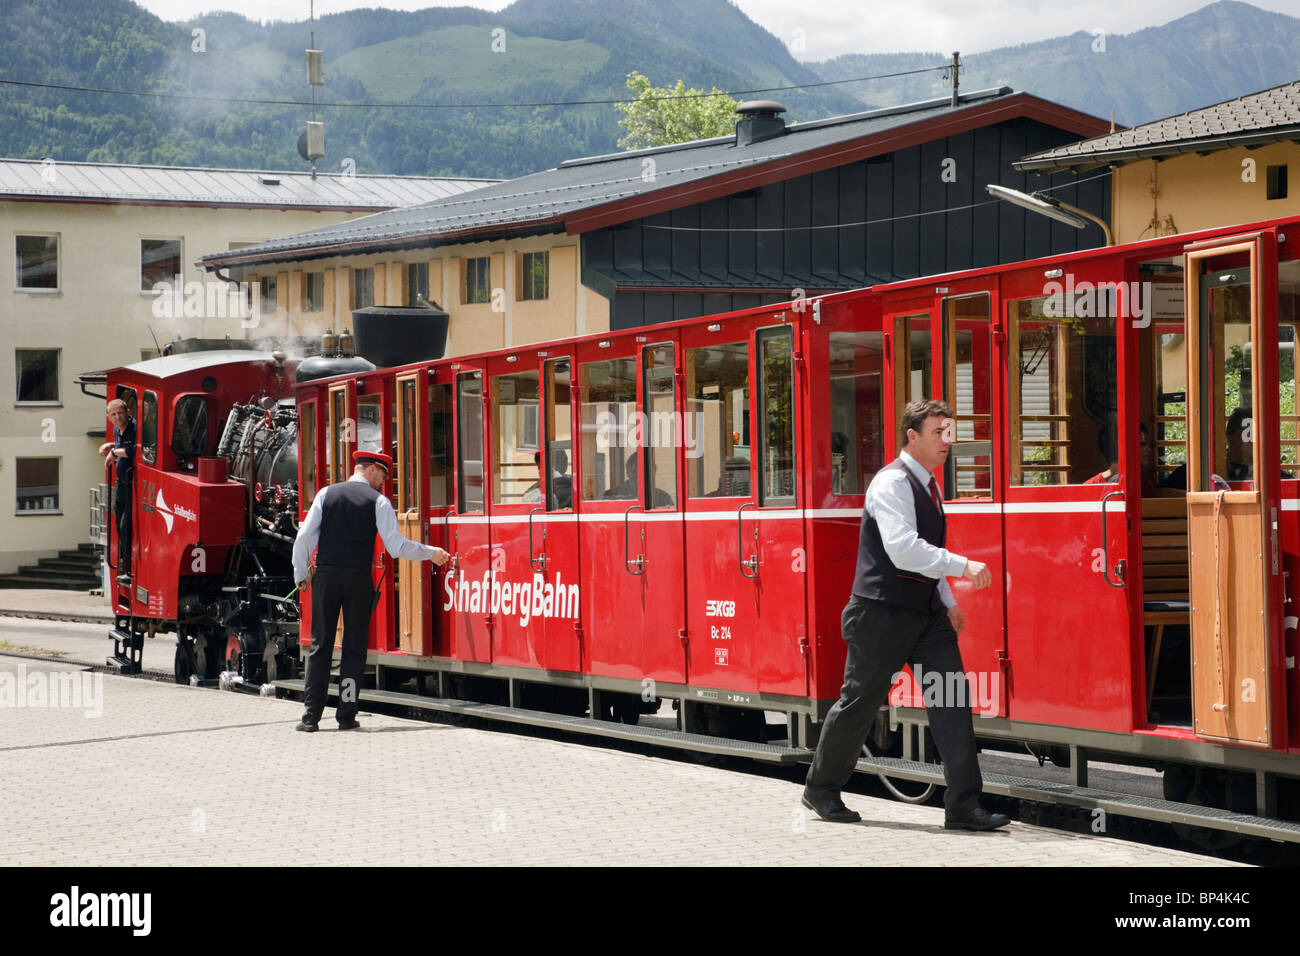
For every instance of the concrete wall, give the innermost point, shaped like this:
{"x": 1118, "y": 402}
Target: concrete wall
{"x": 1199, "y": 192}
{"x": 98, "y": 318}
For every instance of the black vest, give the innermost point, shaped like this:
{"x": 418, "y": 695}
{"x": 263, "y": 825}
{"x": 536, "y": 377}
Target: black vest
{"x": 347, "y": 527}
{"x": 876, "y": 577}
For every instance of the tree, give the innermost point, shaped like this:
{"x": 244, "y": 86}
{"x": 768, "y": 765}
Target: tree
{"x": 662, "y": 117}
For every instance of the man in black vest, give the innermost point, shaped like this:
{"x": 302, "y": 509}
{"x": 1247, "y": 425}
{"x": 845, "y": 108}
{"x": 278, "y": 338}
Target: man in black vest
{"x": 902, "y": 611}
{"x": 345, "y": 518}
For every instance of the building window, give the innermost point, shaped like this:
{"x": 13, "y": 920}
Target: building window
{"x": 270, "y": 299}
{"x": 1277, "y": 182}
{"x": 160, "y": 261}
{"x": 476, "y": 281}
{"x": 37, "y": 373}
{"x": 38, "y": 486}
{"x": 363, "y": 288}
{"x": 313, "y": 291}
{"x": 37, "y": 262}
{"x": 535, "y": 276}
{"x": 417, "y": 283}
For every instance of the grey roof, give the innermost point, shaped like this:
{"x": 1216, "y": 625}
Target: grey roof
{"x": 540, "y": 202}
{"x": 1265, "y": 117}
{"x": 115, "y": 182}
{"x": 181, "y": 362}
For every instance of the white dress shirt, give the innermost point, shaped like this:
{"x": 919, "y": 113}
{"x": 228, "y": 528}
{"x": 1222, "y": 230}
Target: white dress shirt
{"x": 399, "y": 546}
{"x": 890, "y": 503}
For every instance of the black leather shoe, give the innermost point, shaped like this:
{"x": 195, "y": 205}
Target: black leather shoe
{"x": 348, "y": 723}
{"x": 976, "y": 818}
{"x": 306, "y": 726}
{"x": 831, "y": 810}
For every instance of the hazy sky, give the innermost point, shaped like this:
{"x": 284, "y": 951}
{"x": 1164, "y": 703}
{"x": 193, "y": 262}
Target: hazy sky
{"x": 830, "y": 27}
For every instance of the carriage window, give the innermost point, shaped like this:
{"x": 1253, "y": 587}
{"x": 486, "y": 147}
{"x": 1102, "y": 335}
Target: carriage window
{"x": 469, "y": 434}
{"x": 439, "y": 446}
{"x": 190, "y": 426}
{"x": 607, "y": 404}
{"x": 912, "y": 359}
{"x": 149, "y": 429}
{"x": 968, "y": 387}
{"x": 516, "y": 456}
{"x": 660, "y": 417}
{"x": 127, "y": 395}
{"x": 370, "y": 430}
{"x": 1288, "y": 316}
{"x": 1063, "y": 392}
{"x": 1165, "y": 454}
{"x": 857, "y": 425}
{"x": 717, "y": 401}
{"x": 559, "y": 438}
{"x": 307, "y": 424}
{"x": 776, "y": 413}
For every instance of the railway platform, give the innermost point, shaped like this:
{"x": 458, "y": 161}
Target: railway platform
{"x": 140, "y": 772}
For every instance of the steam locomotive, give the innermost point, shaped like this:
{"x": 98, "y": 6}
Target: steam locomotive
{"x": 214, "y": 514}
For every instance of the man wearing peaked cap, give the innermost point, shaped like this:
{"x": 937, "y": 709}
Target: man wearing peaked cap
{"x": 344, "y": 519}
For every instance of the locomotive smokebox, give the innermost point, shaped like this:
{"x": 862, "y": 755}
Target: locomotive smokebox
{"x": 399, "y": 335}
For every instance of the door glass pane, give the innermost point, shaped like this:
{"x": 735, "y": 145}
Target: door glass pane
{"x": 149, "y": 428}
{"x": 1288, "y": 316}
{"x": 1064, "y": 396}
{"x": 469, "y": 430}
{"x": 969, "y": 391}
{"x": 307, "y": 424}
{"x": 439, "y": 446}
{"x": 717, "y": 401}
{"x": 607, "y": 400}
{"x": 559, "y": 437}
{"x": 370, "y": 433}
{"x": 776, "y": 412}
{"x": 857, "y": 423}
{"x": 408, "y": 446}
{"x": 1227, "y": 354}
{"x": 664, "y": 436}
{"x": 913, "y": 359}
{"x": 516, "y": 455}
{"x": 340, "y": 427}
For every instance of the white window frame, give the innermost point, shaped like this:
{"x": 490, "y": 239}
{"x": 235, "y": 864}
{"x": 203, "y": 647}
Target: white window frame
{"x": 58, "y": 377}
{"x": 58, "y": 263}
{"x": 180, "y": 261}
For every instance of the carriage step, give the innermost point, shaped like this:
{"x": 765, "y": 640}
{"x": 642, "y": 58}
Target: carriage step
{"x": 1088, "y": 798}
{"x": 676, "y": 739}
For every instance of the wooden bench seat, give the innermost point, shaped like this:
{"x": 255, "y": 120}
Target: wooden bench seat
{"x": 1164, "y": 574}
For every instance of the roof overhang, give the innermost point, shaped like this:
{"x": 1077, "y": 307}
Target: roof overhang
{"x": 1081, "y": 162}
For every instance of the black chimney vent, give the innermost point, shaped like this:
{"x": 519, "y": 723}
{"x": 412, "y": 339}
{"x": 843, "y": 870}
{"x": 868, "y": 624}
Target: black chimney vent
{"x": 759, "y": 121}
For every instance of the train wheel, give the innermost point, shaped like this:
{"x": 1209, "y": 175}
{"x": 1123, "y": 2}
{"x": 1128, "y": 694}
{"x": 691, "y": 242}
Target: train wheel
{"x": 183, "y": 665}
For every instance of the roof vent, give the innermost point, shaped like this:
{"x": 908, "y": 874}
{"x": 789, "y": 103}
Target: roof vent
{"x": 759, "y": 121}
{"x": 269, "y": 180}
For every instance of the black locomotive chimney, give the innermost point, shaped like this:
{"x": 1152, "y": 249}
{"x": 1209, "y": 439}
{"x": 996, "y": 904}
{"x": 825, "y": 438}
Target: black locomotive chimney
{"x": 759, "y": 121}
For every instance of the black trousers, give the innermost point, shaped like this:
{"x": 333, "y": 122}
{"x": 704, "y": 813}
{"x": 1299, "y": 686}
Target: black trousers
{"x": 334, "y": 590}
{"x": 882, "y": 638}
{"x": 122, "y": 512}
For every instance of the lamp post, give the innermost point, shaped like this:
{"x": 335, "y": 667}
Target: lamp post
{"x": 1052, "y": 208}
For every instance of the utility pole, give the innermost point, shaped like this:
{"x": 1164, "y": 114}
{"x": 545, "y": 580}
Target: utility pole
{"x": 954, "y": 69}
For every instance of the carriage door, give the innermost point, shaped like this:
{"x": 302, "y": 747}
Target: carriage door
{"x": 439, "y": 499}
{"x": 341, "y": 441}
{"x": 410, "y": 575}
{"x": 470, "y": 544}
{"x": 555, "y": 554}
{"x": 745, "y": 558}
{"x": 1232, "y": 490}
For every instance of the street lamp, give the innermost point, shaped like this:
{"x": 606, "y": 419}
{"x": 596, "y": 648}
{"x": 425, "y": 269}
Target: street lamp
{"x": 1051, "y": 207}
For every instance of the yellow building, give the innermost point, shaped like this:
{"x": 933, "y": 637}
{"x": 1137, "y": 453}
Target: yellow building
{"x": 1217, "y": 166}
{"x": 88, "y": 244}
